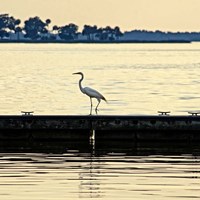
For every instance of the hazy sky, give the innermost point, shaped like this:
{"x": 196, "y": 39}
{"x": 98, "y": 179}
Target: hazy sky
{"x": 172, "y": 15}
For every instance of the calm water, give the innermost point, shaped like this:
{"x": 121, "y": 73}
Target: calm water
{"x": 75, "y": 175}
{"x": 135, "y": 78}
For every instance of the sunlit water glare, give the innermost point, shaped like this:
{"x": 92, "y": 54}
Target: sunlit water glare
{"x": 135, "y": 78}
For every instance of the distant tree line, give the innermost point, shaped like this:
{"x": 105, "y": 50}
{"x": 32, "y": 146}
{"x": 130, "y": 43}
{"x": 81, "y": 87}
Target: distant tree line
{"x": 36, "y": 29}
{"x": 144, "y": 35}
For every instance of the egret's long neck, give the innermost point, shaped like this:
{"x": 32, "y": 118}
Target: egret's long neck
{"x": 80, "y": 85}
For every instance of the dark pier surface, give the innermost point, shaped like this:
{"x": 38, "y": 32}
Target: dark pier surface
{"x": 102, "y": 133}
{"x": 115, "y": 127}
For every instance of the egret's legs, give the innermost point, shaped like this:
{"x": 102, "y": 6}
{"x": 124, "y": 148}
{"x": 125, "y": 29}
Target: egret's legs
{"x": 96, "y": 109}
{"x": 90, "y": 106}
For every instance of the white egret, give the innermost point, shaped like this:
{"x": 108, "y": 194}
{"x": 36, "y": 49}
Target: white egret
{"x": 91, "y": 93}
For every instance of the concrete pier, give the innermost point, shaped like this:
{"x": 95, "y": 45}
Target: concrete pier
{"x": 113, "y": 127}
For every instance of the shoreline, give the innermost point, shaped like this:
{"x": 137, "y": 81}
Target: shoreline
{"x": 93, "y": 42}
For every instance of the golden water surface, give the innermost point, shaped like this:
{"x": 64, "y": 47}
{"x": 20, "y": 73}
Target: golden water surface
{"x": 75, "y": 175}
{"x": 135, "y": 78}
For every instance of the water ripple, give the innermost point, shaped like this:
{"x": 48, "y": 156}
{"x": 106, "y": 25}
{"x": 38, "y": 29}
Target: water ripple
{"x": 77, "y": 176}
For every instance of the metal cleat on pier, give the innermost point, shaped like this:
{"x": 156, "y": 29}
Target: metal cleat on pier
{"x": 27, "y": 113}
{"x": 195, "y": 113}
{"x": 164, "y": 113}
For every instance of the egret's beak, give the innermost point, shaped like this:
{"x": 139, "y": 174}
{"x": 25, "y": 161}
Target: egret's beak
{"x": 75, "y": 73}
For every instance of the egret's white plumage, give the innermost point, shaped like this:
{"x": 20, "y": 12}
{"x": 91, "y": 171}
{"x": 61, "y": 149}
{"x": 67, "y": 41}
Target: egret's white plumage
{"x": 90, "y": 92}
